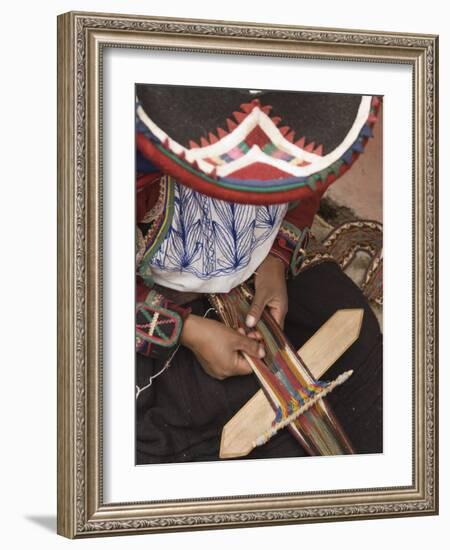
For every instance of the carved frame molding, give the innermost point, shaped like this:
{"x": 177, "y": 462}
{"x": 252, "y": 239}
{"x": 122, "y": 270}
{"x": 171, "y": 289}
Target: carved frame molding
{"x": 81, "y": 39}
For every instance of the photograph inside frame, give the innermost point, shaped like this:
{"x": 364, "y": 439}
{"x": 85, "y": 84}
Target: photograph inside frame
{"x": 258, "y": 274}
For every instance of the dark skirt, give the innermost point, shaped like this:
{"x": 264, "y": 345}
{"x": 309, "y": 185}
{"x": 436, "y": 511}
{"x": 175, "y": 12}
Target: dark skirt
{"x": 180, "y": 417}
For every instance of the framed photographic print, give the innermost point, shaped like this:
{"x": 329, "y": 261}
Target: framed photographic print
{"x": 247, "y": 248}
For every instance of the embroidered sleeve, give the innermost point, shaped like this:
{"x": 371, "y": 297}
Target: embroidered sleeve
{"x": 290, "y": 246}
{"x": 158, "y": 325}
{"x": 159, "y": 321}
{"x": 292, "y": 240}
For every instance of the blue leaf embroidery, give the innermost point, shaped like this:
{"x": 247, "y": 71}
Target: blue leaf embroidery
{"x": 211, "y": 238}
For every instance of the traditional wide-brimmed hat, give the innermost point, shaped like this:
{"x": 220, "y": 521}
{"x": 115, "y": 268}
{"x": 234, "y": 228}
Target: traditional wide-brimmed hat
{"x": 252, "y": 146}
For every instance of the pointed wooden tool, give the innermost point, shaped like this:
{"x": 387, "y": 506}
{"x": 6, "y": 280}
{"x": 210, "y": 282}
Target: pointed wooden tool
{"x": 319, "y": 353}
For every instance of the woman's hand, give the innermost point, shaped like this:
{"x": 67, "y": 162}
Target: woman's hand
{"x": 218, "y": 348}
{"x": 270, "y": 291}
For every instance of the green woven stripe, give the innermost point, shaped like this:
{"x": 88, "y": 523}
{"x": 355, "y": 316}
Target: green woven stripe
{"x": 269, "y": 148}
{"x": 227, "y": 185}
{"x": 310, "y": 181}
{"x": 244, "y": 147}
{"x": 167, "y": 341}
{"x": 146, "y": 314}
{"x": 161, "y": 333}
{"x": 169, "y": 208}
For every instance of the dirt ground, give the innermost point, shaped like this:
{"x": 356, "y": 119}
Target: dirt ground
{"x": 361, "y": 188}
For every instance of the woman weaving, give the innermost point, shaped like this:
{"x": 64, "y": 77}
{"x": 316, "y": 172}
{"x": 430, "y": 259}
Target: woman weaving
{"x": 216, "y": 208}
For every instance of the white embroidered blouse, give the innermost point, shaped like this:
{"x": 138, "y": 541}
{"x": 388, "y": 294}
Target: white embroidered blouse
{"x": 214, "y": 245}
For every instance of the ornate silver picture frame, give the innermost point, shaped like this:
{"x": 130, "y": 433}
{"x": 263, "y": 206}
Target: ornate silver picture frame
{"x": 83, "y": 39}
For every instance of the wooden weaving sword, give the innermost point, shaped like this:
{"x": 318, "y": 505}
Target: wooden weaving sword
{"x": 319, "y": 353}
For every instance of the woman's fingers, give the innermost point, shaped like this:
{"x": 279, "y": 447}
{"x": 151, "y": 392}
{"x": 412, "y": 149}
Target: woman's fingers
{"x": 242, "y": 365}
{"x": 256, "y": 309}
{"x": 254, "y": 334}
{"x": 250, "y": 346}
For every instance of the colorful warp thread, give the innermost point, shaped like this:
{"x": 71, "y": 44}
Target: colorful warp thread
{"x": 294, "y": 394}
